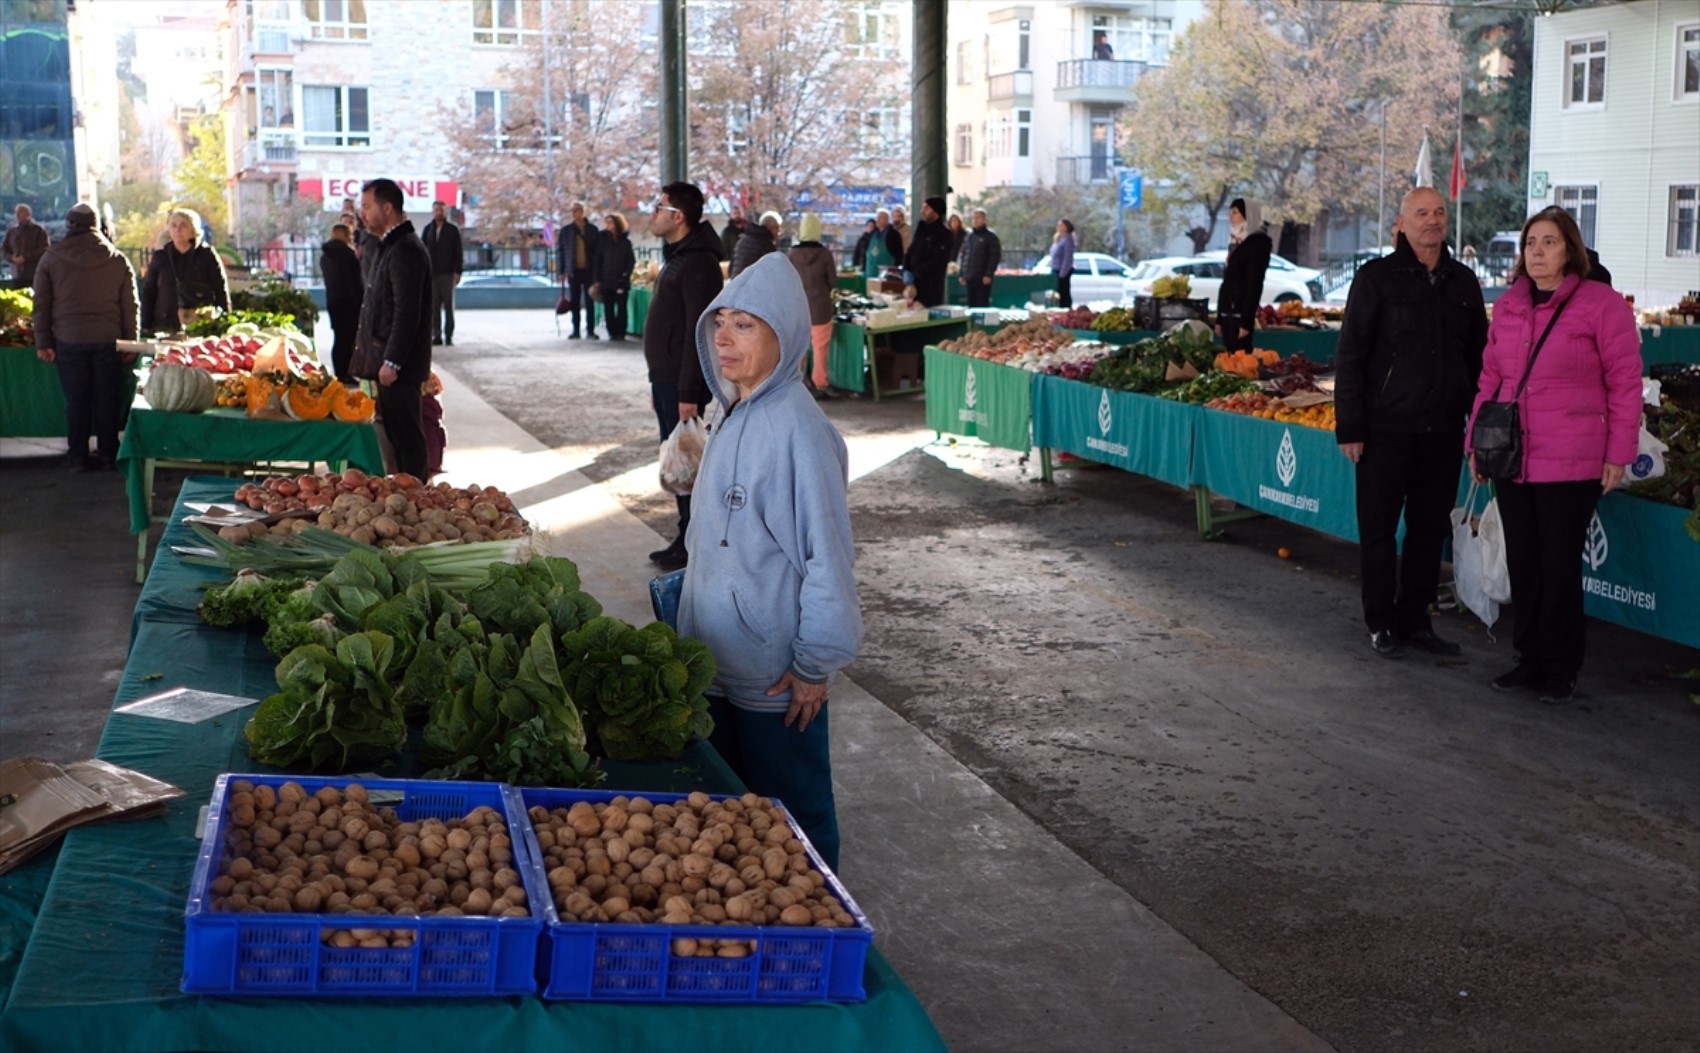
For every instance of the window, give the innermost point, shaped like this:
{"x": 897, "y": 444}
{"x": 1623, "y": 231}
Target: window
{"x": 1583, "y": 204}
{"x": 1586, "y": 71}
{"x": 1024, "y": 45}
{"x": 277, "y": 98}
{"x": 962, "y": 73}
{"x": 1102, "y": 131}
{"x": 870, "y": 31}
{"x": 335, "y": 116}
{"x": 1688, "y": 63}
{"x": 882, "y": 126}
{"x": 269, "y": 25}
{"x": 505, "y": 22}
{"x": 964, "y": 145}
{"x": 1683, "y": 238}
{"x": 737, "y": 128}
{"x": 1023, "y": 133}
{"x": 335, "y": 19}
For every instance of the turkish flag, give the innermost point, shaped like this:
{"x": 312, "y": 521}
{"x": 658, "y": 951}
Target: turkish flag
{"x": 1456, "y": 185}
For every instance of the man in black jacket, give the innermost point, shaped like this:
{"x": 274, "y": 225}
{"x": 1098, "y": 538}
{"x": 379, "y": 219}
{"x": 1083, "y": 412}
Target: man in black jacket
{"x": 344, "y": 291}
{"x": 689, "y": 281}
{"x": 442, "y": 241}
{"x": 928, "y": 258}
{"x": 575, "y": 261}
{"x": 1409, "y": 356}
{"x": 394, "y": 343}
{"x": 981, "y": 254}
{"x": 736, "y": 227}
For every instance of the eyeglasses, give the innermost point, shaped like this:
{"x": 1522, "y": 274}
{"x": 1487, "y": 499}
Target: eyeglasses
{"x": 659, "y": 207}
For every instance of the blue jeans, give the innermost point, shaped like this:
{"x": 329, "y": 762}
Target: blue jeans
{"x": 778, "y": 761}
{"x": 89, "y": 375}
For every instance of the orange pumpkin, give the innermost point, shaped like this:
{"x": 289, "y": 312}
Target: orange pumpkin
{"x": 260, "y": 391}
{"x": 303, "y": 403}
{"x": 351, "y": 404}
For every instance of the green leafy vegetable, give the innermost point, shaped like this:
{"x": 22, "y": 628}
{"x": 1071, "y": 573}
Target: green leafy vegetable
{"x": 250, "y": 597}
{"x": 642, "y": 690}
{"x": 333, "y": 712}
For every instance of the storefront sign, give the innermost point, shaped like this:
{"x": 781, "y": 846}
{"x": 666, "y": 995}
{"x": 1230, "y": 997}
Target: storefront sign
{"x": 419, "y": 191}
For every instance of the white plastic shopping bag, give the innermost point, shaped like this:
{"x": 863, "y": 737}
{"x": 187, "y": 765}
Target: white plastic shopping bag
{"x": 1490, "y": 533}
{"x": 681, "y": 456}
{"x": 1468, "y": 575}
{"x": 1649, "y": 460}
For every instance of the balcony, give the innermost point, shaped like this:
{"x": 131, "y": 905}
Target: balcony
{"x": 1010, "y": 89}
{"x": 1095, "y": 81}
{"x": 1097, "y": 170}
{"x": 269, "y": 149}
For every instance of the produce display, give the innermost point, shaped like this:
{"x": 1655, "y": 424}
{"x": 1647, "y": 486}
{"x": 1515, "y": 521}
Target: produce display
{"x": 1291, "y": 313}
{"x": 1172, "y": 287}
{"x": 1257, "y": 404}
{"x": 180, "y": 389}
{"x": 1074, "y": 318}
{"x": 396, "y": 510}
{"x": 1155, "y": 362}
{"x": 210, "y": 321}
{"x": 239, "y": 349}
{"x": 1029, "y": 339}
{"x": 17, "y": 313}
{"x": 731, "y": 861}
{"x": 1208, "y": 386}
{"x": 1116, "y": 320}
{"x": 334, "y": 852}
{"x": 1244, "y": 363}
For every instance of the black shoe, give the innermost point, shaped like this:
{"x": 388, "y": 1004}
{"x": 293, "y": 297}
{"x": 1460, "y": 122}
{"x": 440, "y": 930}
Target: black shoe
{"x": 1521, "y": 678}
{"x": 448, "y": 341}
{"x": 674, "y": 561}
{"x": 676, "y": 549}
{"x": 1385, "y": 644}
{"x": 91, "y": 464}
{"x": 436, "y": 341}
{"x": 1428, "y": 641}
{"x": 1557, "y": 690}
{"x": 575, "y": 336}
{"x": 592, "y": 335}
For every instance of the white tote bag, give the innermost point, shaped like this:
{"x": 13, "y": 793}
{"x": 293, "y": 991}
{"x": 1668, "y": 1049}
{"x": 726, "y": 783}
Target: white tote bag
{"x": 1468, "y": 571}
{"x": 1490, "y": 533}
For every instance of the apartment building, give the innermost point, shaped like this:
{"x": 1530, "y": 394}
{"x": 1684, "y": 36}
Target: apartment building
{"x": 1614, "y": 138}
{"x": 1036, "y": 88}
{"x": 179, "y": 60}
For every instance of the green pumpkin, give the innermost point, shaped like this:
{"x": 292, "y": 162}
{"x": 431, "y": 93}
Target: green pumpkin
{"x": 181, "y": 389}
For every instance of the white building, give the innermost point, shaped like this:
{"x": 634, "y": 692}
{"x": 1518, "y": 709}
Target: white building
{"x": 1036, "y": 88}
{"x": 1614, "y": 138}
{"x": 180, "y": 61}
{"x": 94, "y": 89}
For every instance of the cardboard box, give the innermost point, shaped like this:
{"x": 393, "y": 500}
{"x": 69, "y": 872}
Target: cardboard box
{"x": 905, "y": 370}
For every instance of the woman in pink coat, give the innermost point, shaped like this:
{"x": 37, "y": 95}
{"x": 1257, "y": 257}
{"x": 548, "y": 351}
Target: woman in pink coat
{"x": 1581, "y": 415}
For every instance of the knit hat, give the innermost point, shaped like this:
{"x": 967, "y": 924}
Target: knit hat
{"x": 808, "y": 228}
{"x": 937, "y": 205}
{"x": 81, "y": 216}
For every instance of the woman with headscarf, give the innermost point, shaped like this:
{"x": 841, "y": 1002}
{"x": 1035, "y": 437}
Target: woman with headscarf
{"x": 1242, "y": 280}
{"x": 182, "y": 275}
{"x": 819, "y": 274}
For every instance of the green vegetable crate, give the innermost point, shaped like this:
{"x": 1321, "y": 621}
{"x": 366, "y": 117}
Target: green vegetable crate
{"x": 249, "y": 954}
{"x": 623, "y": 962}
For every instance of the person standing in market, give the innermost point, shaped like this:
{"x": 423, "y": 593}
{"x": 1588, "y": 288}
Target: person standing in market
{"x": 689, "y": 280}
{"x": 575, "y": 262}
{"x": 755, "y": 243}
{"x": 24, "y": 245}
{"x": 1062, "y": 262}
{"x": 344, "y": 291}
{"x": 615, "y": 261}
{"x": 928, "y": 260}
{"x": 1580, "y": 419}
{"x": 85, "y": 302}
{"x": 818, "y": 274}
{"x": 442, "y": 241}
{"x": 771, "y": 583}
{"x": 182, "y": 275}
{"x": 958, "y": 234}
{"x": 885, "y": 248}
{"x": 393, "y": 345}
{"x": 900, "y": 223}
{"x": 736, "y": 227}
{"x": 1409, "y": 355}
{"x": 1241, "y": 291}
{"x": 859, "y": 255}
{"x": 981, "y": 254}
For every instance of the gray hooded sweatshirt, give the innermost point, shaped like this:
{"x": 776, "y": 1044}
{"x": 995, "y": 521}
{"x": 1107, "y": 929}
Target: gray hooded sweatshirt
{"x": 770, "y": 585}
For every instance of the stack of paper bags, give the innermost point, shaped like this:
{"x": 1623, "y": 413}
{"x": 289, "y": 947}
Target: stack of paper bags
{"x": 40, "y": 800}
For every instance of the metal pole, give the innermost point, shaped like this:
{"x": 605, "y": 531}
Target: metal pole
{"x": 929, "y": 171}
{"x": 1121, "y": 229}
{"x": 674, "y": 118}
{"x": 548, "y": 121}
{"x": 1458, "y": 145}
{"x": 1381, "y": 186}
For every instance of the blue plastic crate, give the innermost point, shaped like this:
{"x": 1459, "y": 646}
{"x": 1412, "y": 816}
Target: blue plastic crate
{"x": 283, "y": 954}
{"x": 621, "y": 962}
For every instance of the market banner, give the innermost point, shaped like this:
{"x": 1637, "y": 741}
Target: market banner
{"x": 979, "y": 399}
{"x": 1640, "y": 569}
{"x": 847, "y": 361}
{"x": 1137, "y": 433}
{"x": 1284, "y": 470}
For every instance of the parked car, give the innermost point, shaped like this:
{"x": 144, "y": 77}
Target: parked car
{"x": 1097, "y": 277}
{"x": 1282, "y": 282}
{"x": 509, "y": 281}
{"x": 1494, "y": 265}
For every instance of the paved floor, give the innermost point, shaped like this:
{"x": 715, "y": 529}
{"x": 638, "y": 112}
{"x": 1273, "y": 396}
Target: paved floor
{"x": 1103, "y": 786}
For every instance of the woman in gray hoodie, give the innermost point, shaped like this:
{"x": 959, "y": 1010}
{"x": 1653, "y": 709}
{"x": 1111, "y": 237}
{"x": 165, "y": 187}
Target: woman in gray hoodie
{"x": 770, "y": 586}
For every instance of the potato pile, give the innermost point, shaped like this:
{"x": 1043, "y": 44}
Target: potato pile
{"x": 1037, "y": 336}
{"x": 331, "y": 852}
{"x": 701, "y": 861}
{"x": 380, "y": 509}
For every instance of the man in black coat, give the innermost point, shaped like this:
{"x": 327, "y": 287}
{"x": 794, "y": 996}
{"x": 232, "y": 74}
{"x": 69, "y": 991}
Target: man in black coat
{"x": 981, "y": 254}
{"x": 929, "y": 254}
{"x": 345, "y": 289}
{"x": 1406, "y": 368}
{"x": 442, "y": 241}
{"x": 575, "y": 261}
{"x": 689, "y": 282}
{"x": 394, "y": 343}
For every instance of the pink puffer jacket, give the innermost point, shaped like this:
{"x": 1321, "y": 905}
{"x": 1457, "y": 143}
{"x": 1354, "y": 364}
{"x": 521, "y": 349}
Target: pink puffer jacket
{"x": 1582, "y": 407}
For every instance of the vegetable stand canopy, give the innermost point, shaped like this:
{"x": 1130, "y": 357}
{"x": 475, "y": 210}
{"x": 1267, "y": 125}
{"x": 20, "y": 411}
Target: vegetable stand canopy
{"x": 102, "y": 966}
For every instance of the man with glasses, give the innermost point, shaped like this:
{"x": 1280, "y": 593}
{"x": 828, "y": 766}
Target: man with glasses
{"x": 689, "y": 281}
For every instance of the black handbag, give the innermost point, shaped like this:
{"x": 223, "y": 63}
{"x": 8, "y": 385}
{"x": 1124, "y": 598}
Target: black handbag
{"x": 1496, "y": 437}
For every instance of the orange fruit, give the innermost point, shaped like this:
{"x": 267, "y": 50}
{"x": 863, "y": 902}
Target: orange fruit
{"x": 1284, "y": 552}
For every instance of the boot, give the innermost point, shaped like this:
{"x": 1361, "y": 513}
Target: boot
{"x": 672, "y": 557}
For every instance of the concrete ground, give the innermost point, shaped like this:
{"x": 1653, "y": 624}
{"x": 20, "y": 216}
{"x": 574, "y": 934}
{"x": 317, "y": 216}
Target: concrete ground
{"x": 1103, "y": 786}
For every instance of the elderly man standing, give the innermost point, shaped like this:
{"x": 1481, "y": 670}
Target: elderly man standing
{"x": 981, "y": 254}
{"x": 24, "y": 246}
{"x": 85, "y": 302}
{"x": 885, "y": 248}
{"x": 575, "y": 258}
{"x": 1409, "y": 356}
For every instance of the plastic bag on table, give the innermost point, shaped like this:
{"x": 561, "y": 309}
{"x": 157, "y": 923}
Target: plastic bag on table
{"x": 681, "y": 456}
{"x": 1468, "y": 570}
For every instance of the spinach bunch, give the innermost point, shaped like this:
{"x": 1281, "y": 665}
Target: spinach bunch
{"x": 642, "y": 690}
{"x": 334, "y": 711}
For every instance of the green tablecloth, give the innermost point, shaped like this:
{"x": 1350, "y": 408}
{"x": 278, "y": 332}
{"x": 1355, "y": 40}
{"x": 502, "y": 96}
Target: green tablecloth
{"x": 853, "y": 348}
{"x": 637, "y": 309}
{"x": 231, "y": 436}
{"x": 982, "y": 400}
{"x": 1008, "y": 290}
{"x": 1672, "y": 343}
{"x": 1315, "y": 344}
{"x": 1641, "y": 569}
{"x": 852, "y": 281}
{"x": 1284, "y": 470}
{"x": 104, "y": 959}
{"x": 32, "y": 403}
{"x": 1137, "y": 433}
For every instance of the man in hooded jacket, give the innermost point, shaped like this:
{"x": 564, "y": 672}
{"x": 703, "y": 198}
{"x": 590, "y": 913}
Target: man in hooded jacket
{"x": 928, "y": 259}
{"x": 770, "y": 587}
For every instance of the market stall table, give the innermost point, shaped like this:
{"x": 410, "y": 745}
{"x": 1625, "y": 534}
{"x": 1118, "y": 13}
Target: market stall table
{"x": 1670, "y": 343}
{"x": 859, "y": 353}
{"x": 1137, "y": 433}
{"x": 979, "y": 399}
{"x": 637, "y": 309}
{"x": 32, "y": 404}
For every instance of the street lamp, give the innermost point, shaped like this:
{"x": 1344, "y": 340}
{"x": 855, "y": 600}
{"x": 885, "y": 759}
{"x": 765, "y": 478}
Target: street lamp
{"x": 1381, "y": 185}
